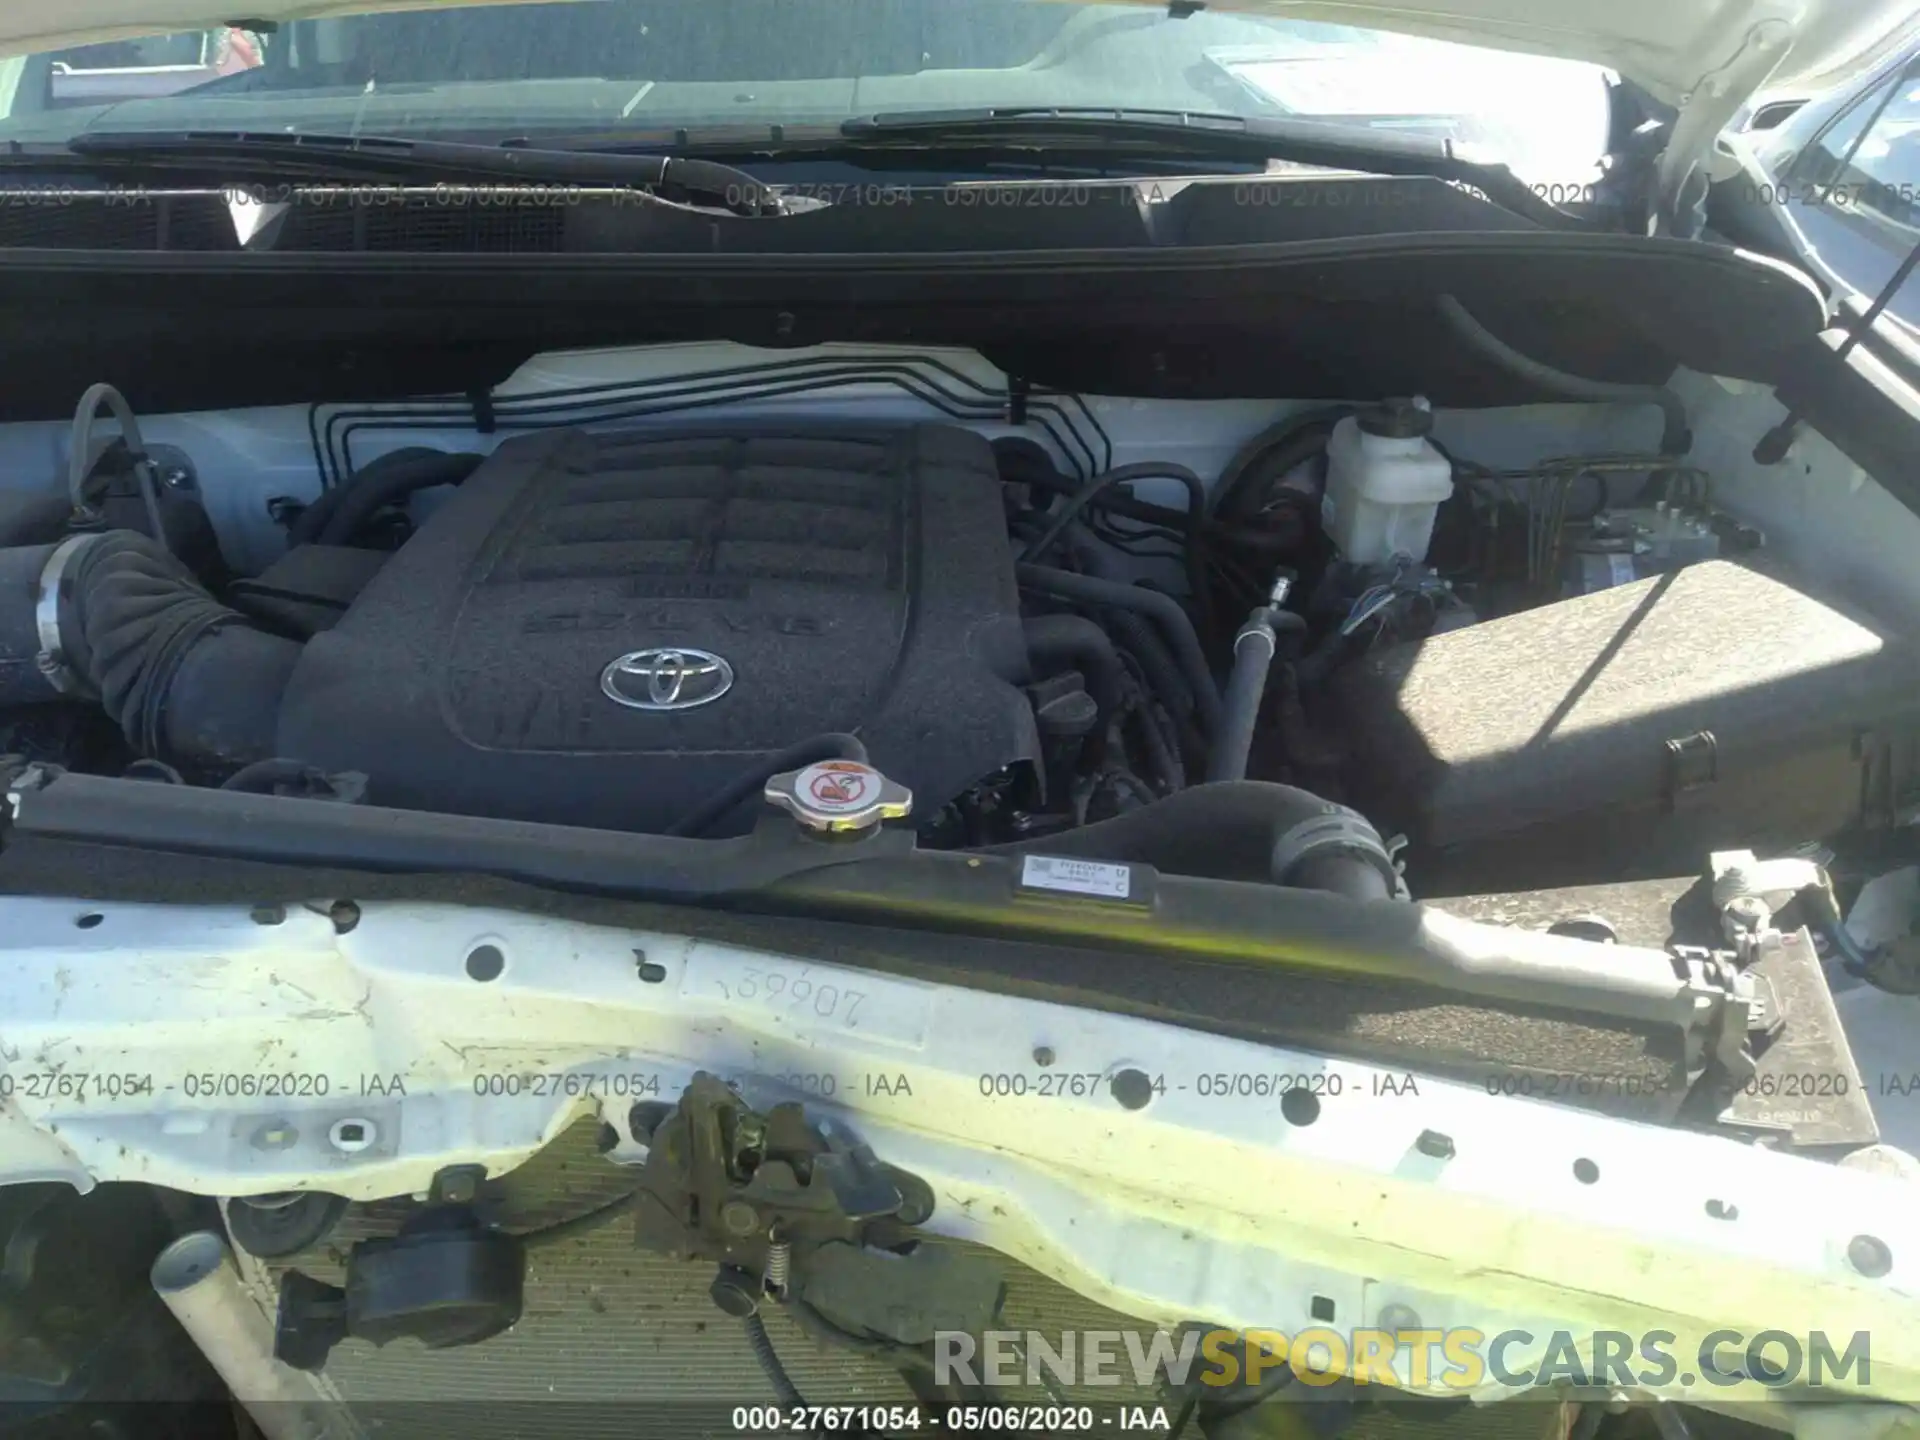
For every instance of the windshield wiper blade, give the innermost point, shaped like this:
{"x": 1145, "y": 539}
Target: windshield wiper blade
{"x": 396, "y": 157}
{"x": 1333, "y": 145}
{"x": 1327, "y": 141}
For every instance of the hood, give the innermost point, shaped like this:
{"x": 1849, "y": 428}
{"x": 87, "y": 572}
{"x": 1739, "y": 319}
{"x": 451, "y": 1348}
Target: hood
{"x": 1674, "y": 48}
{"x": 1704, "y": 57}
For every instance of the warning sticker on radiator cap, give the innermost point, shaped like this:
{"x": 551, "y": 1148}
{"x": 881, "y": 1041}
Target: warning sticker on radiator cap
{"x": 1077, "y": 877}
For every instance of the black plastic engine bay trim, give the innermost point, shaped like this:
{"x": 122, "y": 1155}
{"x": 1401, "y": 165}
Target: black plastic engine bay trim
{"x": 884, "y": 881}
{"x": 1178, "y": 323}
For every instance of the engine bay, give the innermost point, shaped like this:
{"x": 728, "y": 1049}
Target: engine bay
{"x": 608, "y": 630}
{"x": 1205, "y": 724}
{"x": 626, "y": 604}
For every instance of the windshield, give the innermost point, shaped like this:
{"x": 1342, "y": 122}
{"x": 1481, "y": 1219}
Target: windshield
{"x": 608, "y": 66}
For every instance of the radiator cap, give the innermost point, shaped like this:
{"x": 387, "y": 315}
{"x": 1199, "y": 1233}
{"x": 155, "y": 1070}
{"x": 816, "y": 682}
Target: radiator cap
{"x": 837, "y": 796}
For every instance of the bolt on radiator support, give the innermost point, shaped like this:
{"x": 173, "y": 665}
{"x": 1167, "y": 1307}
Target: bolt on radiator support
{"x": 1116, "y": 1167}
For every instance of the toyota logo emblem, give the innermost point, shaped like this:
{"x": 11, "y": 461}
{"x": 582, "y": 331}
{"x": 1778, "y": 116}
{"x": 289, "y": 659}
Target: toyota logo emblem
{"x": 666, "y": 679}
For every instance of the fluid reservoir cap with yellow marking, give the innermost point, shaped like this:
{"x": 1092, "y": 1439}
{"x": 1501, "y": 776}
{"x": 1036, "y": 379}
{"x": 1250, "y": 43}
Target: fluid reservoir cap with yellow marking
{"x": 837, "y": 796}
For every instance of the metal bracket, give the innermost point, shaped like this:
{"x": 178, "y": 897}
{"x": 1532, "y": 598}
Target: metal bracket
{"x": 726, "y": 1182}
{"x": 804, "y": 1215}
{"x": 1018, "y": 389}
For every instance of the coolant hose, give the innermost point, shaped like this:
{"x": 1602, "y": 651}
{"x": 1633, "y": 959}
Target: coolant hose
{"x": 1134, "y": 632}
{"x": 1676, "y": 438}
{"x": 338, "y": 513}
{"x": 360, "y": 503}
{"x": 276, "y": 777}
{"x": 1066, "y": 516}
{"x": 1074, "y": 642}
{"x": 114, "y": 615}
{"x": 1138, "y": 637}
{"x": 1076, "y": 504}
{"x": 1243, "y": 830}
{"x": 1173, "y": 621}
{"x": 1253, "y": 651}
{"x": 749, "y": 782}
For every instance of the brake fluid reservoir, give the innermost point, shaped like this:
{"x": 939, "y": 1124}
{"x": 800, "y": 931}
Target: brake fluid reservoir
{"x": 1385, "y": 481}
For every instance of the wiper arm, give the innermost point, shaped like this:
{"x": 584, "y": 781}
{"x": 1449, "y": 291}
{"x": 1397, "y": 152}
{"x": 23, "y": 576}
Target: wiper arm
{"x": 1349, "y": 146}
{"x": 1332, "y": 144}
{"x": 394, "y": 157}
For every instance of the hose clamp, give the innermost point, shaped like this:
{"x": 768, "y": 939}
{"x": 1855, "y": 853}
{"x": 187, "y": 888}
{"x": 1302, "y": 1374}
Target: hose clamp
{"x": 1336, "y": 828}
{"x": 1258, "y": 627}
{"x": 53, "y": 659}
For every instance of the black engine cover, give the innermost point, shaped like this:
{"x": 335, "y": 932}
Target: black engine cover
{"x": 858, "y": 580}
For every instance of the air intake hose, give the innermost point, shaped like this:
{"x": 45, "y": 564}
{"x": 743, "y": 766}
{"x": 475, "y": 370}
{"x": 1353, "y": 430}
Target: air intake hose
{"x": 112, "y": 615}
{"x": 1244, "y": 830}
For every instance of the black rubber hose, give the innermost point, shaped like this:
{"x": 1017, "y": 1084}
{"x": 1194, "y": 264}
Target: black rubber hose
{"x": 1074, "y": 642}
{"x": 1159, "y": 738}
{"x": 1017, "y": 470}
{"x": 1163, "y": 609}
{"x": 1341, "y": 874}
{"x": 33, "y": 519}
{"x": 184, "y": 676}
{"x": 369, "y": 491}
{"x": 761, "y": 1344}
{"x": 158, "y": 771}
{"x": 1161, "y": 672}
{"x": 1676, "y": 437}
{"x": 750, "y": 782}
{"x": 1228, "y": 832}
{"x": 265, "y": 777}
{"x": 1244, "y": 504}
{"x": 1314, "y": 668}
{"x": 1065, "y": 516}
{"x": 307, "y": 527}
{"x": 1253, "y": 652}
{"x": 82, "y": 455}
{"x": 1274, "y": 451}
{"x": 222, "y": 707}
{"x": 1026, "y": 462}
{"x": 1135, "y": 634}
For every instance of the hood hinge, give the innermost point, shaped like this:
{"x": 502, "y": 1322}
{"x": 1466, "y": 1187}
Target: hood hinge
{"x": 1705, "y": 110}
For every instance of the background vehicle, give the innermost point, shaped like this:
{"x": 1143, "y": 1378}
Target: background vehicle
{"x": 1836, "y": 184}
{"x": 138, "y": 69}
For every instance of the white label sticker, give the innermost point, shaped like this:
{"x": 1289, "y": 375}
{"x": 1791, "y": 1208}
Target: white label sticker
{"x": 1077, "y": 877}
{"x": 1621, "y": 568}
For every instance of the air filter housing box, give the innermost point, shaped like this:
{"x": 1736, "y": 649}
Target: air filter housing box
{"x": 1630, "y": 731}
